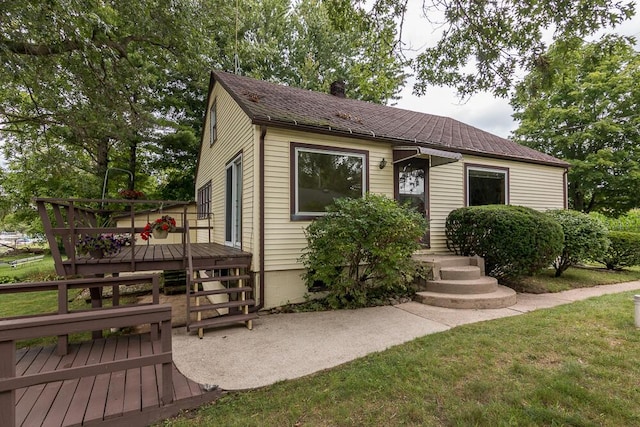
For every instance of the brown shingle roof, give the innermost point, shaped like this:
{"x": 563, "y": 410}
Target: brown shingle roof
{"x": 277, "y": 105}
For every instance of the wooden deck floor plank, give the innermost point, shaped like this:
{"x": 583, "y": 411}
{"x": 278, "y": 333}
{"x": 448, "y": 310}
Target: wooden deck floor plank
{"x": 181, "y": 388}
{"x": 42, "y": 407}
{"x": 31, "y": 404}
{"x": 133, "y": 390}
{"x": 26, "y": 396}
{"x": 99, "y": 393}
{"x": 116, "y": 389}
{"x": 148, "y": 378}
{"x": 62, "y": 402}
{"x": 80, "y": 400}
{"x": 157, "y": 257}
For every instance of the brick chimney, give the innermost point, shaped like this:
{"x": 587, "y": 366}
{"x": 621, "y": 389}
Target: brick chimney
{"x": 337, "y": 89}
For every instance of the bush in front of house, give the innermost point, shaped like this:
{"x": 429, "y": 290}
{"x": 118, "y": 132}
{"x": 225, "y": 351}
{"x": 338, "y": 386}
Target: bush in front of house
{"x": 623, "y": 251}
{"x": 585, "y": 238}
{"x": 513, "y": 240}
{"x": 361, "y": 250}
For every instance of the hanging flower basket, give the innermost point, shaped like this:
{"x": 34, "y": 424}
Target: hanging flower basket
{"x": 96, "y": 253}
{"x": 160, "y": 234}
{"x": 163, "y": 225}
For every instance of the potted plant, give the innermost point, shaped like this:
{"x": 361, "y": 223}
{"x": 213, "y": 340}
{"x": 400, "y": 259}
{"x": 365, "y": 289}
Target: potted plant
{"x": 159, "y": 228}
{"x": 131, "y": 194}
{"x": 103, "y": 244}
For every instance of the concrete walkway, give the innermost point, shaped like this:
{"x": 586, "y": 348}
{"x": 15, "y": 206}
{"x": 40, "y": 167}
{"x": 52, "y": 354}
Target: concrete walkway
{"x": 292, "y": 345}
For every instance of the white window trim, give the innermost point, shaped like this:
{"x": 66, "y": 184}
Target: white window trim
{"x": 504, "y": 172}
{"x": 362, "y": 156}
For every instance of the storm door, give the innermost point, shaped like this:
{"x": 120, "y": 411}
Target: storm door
{"x": 412, "y": 187}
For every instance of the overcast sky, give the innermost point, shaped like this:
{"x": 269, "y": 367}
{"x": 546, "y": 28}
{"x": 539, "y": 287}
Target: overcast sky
{"x": 482, "y": 110}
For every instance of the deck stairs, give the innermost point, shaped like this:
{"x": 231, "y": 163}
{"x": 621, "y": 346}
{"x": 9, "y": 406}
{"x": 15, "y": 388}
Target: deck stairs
{"x": 460, "y": 282}
{"x": 219, "y": 295}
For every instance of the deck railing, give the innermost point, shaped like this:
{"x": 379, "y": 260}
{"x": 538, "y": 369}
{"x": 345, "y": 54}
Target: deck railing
{"x": 42, "y": 326}
{"x": 67, "y": 221}
{"x": 95, "y": 284}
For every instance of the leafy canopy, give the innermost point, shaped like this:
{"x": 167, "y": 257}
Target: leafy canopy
{"x": 582, "y": 107}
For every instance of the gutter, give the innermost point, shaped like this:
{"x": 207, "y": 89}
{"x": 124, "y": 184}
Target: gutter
{"x": 268, "y": 121}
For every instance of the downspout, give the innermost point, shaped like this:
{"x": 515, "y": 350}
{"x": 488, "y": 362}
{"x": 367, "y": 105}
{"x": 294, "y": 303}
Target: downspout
{"x": 565, "y": 187}
{"x": 263, "y": 133}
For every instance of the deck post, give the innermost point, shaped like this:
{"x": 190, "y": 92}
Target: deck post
{"x": 167, "y": 374}
{"x": 8, "y": 370}
{"x": 63, "y": 308}
{"x": 155, "y": 298}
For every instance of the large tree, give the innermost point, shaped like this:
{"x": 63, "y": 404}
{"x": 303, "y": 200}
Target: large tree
{"x": 121, "y": 85}
{"x": 581, "y": 105}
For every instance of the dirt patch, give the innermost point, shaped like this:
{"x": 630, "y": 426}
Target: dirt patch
{"x": 178, "y": 310}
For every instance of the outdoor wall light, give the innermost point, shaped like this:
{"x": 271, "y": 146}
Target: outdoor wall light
{"x": 383, "y": 163}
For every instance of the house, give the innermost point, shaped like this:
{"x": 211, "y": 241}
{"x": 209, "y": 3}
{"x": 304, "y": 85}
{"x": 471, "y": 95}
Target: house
{"x": 272, "y": 157}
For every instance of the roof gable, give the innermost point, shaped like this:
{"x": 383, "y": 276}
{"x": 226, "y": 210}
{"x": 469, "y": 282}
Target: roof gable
{"x": 278, "y": 105}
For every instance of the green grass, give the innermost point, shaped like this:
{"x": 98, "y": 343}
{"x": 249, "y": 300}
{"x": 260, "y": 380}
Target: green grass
{"x": 33, "y": 271}
{"x": 573, "y": 278}
{"x": 576, "y": 365}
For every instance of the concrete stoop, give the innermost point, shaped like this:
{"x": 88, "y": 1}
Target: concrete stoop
{"x": 459, "y": 282}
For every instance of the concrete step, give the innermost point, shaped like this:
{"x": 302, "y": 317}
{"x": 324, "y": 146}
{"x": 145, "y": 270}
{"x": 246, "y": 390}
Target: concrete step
{"x": 481, "y": 285}
{"x": 443, "y": 260}
{"x": 463, "y": 272}
{"x": 501, "y": 298}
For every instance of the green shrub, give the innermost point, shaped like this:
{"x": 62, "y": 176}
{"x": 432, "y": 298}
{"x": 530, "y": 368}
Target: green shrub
{"x": 585, "y": 238}
{"x": 361, "y": 250}
{"x": 513, "y": 240}
{"x": 624, "y": 250}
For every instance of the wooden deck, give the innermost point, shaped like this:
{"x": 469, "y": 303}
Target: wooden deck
{"x": 158, "y": 257}
{"x": 131, "y": 397}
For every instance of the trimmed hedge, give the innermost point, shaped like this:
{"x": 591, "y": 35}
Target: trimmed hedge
{"x": 513, "y": 240}
{"x": 624, "y": 250}
{"x": 585, "y": 238}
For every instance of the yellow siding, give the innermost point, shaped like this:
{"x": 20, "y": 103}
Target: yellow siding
{"x": 235, "y": 134}
{"x": 535, "y": 186}
{"x": 284, "y": 239}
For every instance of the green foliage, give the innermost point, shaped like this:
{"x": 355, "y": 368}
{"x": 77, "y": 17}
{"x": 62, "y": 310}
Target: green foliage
{"x": 361, "y": 249}
{"x": 630, "y": 221}
{"x": 623, "y": 251}
{"x": 582, "y": 107}
{"x": 585, "y": 238}
{"x": 513, "y": 240}
{"x": 498, "y": 38}
{"x": 88, "y": 86}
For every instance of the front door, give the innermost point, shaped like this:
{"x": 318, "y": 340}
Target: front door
{"x": 412, "y": 187}
{"x": 233, "y": 203}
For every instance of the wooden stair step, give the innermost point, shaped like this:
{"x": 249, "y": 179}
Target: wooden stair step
{"x": 221, "y": 291}
{"x": 214, "y": 306}
{"x": 222, "y": 320}
{"x": 220, "y": 278}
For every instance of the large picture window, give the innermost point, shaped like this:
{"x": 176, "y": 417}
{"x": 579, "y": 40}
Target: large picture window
{"x": 487, "y": 186}
{"x": 322, "y": 175}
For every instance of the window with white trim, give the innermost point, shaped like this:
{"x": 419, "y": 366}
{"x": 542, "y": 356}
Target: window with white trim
{"x": 487, "y": 186}
{"x": 233, "y": 203}
{"x": 322, "y": 175}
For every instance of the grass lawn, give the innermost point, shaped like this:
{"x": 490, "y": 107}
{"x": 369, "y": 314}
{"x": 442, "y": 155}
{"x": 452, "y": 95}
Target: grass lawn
{"x": 576, "y": 364}
{"x": 585, "y": 277}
